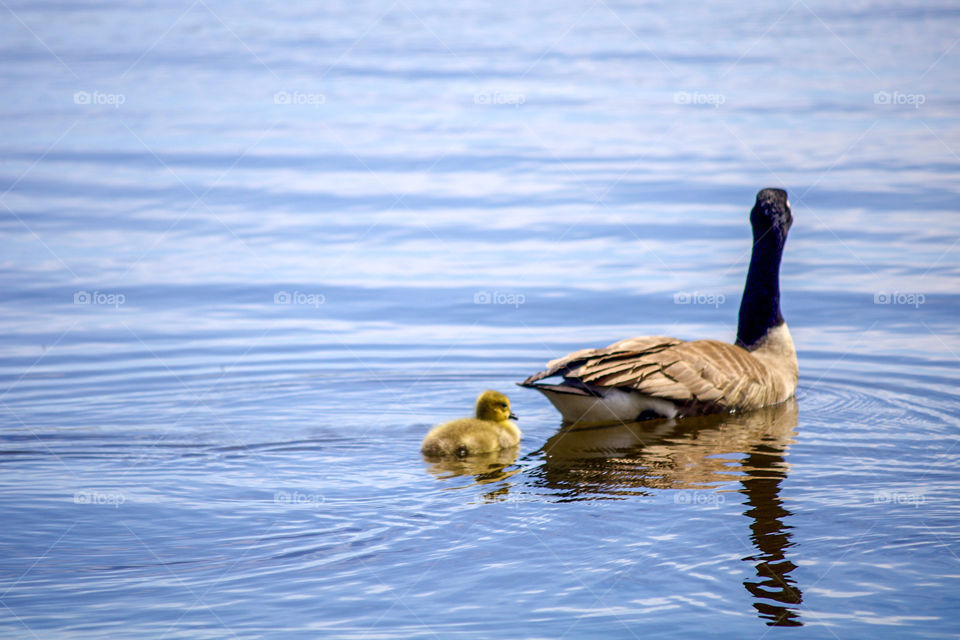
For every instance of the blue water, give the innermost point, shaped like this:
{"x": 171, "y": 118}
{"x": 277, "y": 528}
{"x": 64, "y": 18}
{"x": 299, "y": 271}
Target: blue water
{"x": 252, "y": 252}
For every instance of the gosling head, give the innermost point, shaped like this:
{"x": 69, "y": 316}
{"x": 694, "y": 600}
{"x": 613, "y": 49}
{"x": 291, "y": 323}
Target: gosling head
{"x": 771, "y": 214}
{"x": 494, "y": 406}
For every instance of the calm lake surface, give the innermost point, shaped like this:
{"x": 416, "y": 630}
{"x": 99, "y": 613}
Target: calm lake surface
{"x": 253, "y": 252}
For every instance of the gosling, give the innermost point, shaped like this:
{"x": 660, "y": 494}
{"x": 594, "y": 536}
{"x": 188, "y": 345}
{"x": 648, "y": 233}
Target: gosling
{"x": 490, "y": 431}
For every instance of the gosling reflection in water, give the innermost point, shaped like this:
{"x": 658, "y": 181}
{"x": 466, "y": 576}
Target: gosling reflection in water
{"x": 484, "y": 467}
{"x": 587, "y": 463}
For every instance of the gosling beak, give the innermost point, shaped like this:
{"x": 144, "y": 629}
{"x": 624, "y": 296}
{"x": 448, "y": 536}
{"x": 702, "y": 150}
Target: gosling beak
{"x": 513, "y": 416}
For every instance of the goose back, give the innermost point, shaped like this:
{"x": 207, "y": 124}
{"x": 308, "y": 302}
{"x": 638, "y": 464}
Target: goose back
{"x": 699, "y": 376}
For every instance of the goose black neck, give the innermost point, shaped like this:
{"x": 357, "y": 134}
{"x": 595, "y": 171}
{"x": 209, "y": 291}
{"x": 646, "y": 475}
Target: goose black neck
{"x": 760, "y": 306}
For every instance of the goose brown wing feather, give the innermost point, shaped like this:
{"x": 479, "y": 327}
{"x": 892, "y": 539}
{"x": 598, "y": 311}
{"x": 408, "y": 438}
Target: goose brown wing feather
{"x": 623, "y": 350}
{"x": 702, "y": 372}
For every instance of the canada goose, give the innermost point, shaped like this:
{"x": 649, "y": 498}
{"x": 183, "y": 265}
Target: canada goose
{"x": 491, "y": 430}
{"x": 657, "y": 376}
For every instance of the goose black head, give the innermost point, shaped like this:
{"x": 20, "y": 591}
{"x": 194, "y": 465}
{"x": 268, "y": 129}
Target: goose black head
{"x": 771, "y": 215}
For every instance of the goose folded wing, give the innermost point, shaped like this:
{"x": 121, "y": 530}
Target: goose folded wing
{"x": 699, "y": 372}
{"x": 631, "y": 347}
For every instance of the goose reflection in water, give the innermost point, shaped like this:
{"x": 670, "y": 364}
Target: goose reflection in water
{"x": 584, "y": 463}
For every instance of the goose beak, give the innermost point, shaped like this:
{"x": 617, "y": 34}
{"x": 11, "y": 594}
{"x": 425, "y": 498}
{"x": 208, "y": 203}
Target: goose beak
{"x": 513, "y": 416}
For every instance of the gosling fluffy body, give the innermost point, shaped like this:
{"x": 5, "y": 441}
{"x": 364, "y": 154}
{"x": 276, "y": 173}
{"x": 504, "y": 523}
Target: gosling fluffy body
{"x": 490, "y": 430}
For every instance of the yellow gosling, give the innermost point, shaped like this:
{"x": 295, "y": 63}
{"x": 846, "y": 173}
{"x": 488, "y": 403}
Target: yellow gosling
{"x": 490, "y": 431}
